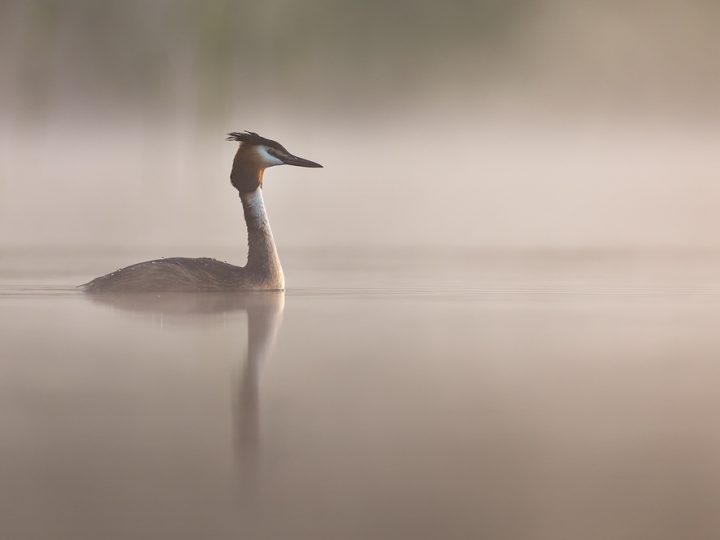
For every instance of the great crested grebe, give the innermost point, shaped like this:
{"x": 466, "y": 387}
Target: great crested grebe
{"x": 262, "y": 271}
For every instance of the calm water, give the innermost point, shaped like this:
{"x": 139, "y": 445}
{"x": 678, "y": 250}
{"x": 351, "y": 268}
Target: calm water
{"x": 384, "y": 396}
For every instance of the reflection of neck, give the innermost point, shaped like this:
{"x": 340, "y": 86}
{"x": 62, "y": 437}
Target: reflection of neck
{"x": 264, "y": 317}
{"x": 263, "y": 260}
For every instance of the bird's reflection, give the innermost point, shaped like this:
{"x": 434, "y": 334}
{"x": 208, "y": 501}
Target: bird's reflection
{"x": 264, "y": 316}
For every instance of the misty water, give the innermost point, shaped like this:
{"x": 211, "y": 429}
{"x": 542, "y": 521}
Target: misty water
{"x": 507, "y": 386}
{"x": 385, "y": 395}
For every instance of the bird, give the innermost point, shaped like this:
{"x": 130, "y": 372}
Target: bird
{"x": 262, "y": 271}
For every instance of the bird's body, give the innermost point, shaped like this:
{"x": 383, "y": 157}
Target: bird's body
{"x": 262, "y": 271}
{"x": 172, "y": 274}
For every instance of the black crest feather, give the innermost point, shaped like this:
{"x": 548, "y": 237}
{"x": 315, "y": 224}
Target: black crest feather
{"x": 250, "y": 137}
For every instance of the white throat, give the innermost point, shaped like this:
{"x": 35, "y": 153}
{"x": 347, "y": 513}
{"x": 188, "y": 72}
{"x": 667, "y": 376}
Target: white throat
{"x": 254, "y": 206}
{"x": 263, "y": 261}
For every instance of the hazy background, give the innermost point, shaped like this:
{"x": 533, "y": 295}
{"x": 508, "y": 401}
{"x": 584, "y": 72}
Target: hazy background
{"x": 487, "y": 123}
{"x": 550, "y": 373}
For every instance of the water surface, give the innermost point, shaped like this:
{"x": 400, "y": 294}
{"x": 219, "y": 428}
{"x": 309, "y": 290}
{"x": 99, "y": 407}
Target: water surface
{"x": 385, "y": 396}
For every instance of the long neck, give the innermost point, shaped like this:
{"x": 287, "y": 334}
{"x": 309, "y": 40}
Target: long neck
{"x": 263, "y": 261}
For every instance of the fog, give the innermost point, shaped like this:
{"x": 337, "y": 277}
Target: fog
{"x": 502, "y": 289}
{"x": 486, "y": 124}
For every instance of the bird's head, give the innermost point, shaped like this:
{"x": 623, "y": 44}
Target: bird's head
{"x": 256, "y": 153}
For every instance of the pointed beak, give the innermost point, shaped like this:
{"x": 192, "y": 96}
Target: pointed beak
{"x": 289, "y": 159}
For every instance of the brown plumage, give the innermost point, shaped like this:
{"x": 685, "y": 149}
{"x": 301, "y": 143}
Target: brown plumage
{"x": 175, "y": 274}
